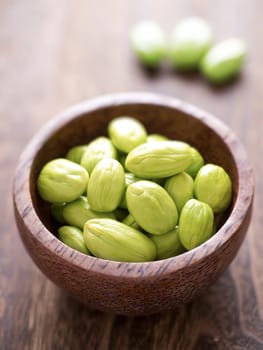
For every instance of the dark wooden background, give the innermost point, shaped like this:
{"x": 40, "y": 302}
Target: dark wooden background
{"x": 56, "y": 53}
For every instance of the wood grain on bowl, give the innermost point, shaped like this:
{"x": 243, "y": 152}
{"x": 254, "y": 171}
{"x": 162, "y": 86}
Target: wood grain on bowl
{"x": 133, "y": 288}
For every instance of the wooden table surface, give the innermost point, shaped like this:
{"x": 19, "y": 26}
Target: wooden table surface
{"x": 56, "y": 53}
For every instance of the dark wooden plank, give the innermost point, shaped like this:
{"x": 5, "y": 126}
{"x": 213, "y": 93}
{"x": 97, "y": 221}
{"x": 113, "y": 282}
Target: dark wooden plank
{"x": 53, "y": 54}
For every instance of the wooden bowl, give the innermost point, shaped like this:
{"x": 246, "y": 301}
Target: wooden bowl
{"x": 132, "y": 288}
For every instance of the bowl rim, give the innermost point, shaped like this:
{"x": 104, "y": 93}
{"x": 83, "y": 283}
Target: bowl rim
{"x": 141, "y": 270}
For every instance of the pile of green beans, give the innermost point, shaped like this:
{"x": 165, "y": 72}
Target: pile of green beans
{"x": 190, "y": 47}
{"x": 133, "y": 196}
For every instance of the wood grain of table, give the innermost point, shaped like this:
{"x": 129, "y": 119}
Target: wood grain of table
{"x": 57, "y": 53}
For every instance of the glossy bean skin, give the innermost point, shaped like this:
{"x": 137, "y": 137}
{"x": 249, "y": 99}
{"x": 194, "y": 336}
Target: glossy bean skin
{"x": 224, "y": 61}
{"x": 149, "y": 43}
{"x": 181, "y": 188}
{"x": 197, "y": 163}
{"x": 98, "y": 149}
{"x": 126, "y": 133}
{"x": 106, "y": 186}
{"x": 168, "y": 244}
{"x": 73, "y": 237}
{"x": 75, "y": 153}
{"x": 113, "y": 240}
{"x": 191, "y": 39}
{"x": 213, "y": 186}
{"x": 76, "y": 213}
{"x": 196, "y": 224}
{"x": 152, "y": 207}
{"x": 62, "y": 180}
{"x": 159, "y": 159}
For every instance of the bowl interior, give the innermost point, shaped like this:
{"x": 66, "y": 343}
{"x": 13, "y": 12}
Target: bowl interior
{"x": 178, "y": 124}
